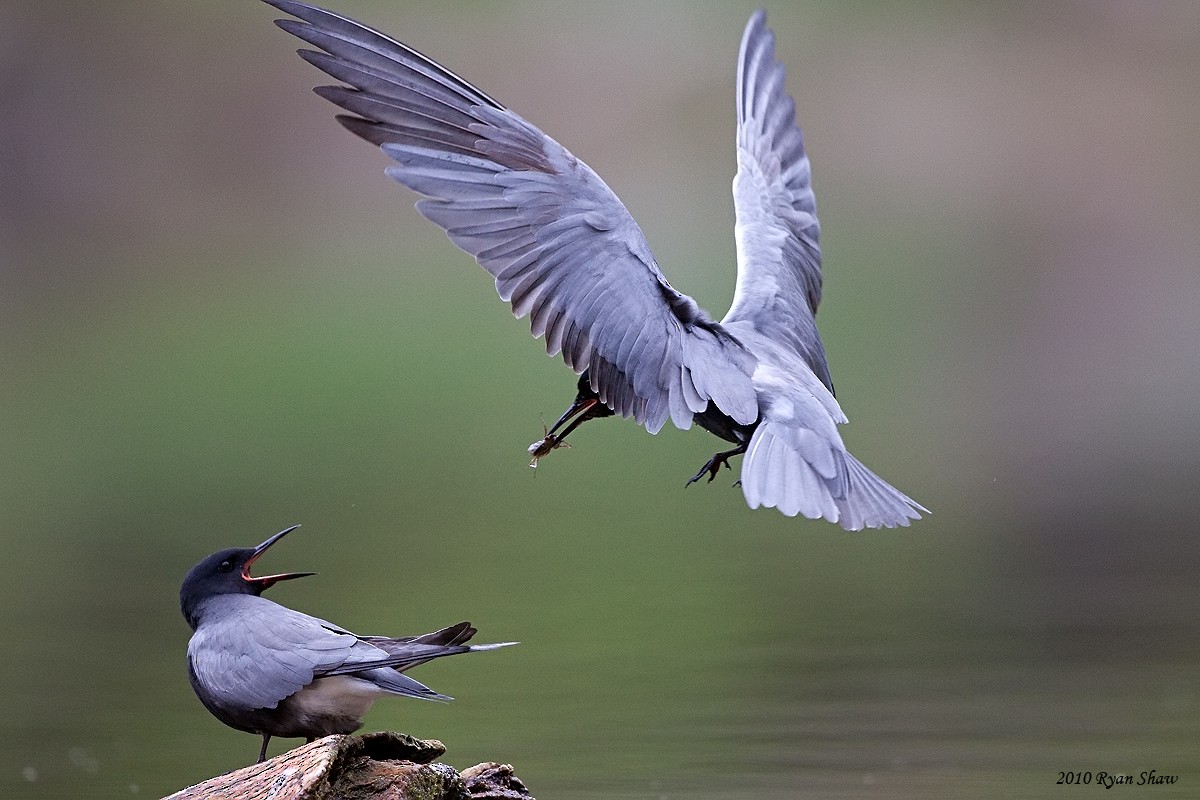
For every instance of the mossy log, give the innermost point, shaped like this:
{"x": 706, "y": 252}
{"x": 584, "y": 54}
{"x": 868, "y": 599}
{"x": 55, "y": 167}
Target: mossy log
{"x": 376, "y": 766}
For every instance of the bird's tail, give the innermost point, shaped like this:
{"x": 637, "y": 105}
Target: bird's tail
{"x": 800, "y": 472}
{"x": 454, "y": 636}
{"x": 409, "y": 652}
{"x": 393, "y": 681}
{"x": 451, "y": 636}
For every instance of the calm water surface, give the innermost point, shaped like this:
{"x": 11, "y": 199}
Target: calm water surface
{"x": 916, "y": 710}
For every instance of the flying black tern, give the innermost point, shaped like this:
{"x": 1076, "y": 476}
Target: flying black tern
{"x": 263, "y": 668}
{"x": 566, "y": 253}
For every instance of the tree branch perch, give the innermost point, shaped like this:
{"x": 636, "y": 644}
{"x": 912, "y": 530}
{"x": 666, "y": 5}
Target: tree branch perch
{"x": 375, "y": 766}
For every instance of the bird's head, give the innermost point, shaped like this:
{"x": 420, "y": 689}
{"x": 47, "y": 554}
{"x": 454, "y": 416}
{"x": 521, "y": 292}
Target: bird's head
{"x": 228, "y": 572}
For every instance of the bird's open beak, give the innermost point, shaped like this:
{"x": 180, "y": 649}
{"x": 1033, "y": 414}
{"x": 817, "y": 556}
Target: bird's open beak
{"x": 267, "y": 581}
{"x": 580, "y": 407}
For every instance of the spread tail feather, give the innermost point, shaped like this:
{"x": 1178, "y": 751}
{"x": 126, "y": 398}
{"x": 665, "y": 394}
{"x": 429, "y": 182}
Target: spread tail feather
{"x": 799, "y": 472}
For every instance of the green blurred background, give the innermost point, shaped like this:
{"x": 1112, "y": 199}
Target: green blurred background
{"x": 218, "y": 318}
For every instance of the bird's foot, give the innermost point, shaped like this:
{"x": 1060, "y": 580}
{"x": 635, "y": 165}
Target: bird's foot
{"x": 262, "y": 754}
{"x": 711, "y": 467}
{"x": 714, "y": 464}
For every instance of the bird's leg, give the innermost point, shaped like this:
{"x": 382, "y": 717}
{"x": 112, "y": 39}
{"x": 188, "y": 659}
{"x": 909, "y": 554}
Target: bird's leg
{"x": 262, "y": 754}
{"x": 714, "y": 464}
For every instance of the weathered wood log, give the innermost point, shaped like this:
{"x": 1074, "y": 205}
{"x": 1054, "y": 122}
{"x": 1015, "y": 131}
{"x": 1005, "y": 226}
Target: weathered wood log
{"x": 375, "y": 766}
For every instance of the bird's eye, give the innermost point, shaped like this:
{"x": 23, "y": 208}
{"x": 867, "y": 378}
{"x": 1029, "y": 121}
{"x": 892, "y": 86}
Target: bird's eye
{"x": 225, "y": 566}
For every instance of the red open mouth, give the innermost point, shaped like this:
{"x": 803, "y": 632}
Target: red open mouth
{"x": 267, "y": 581}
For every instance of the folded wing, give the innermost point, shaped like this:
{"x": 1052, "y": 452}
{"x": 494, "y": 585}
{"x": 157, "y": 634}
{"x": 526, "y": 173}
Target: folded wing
{"x": 260, "y": 653}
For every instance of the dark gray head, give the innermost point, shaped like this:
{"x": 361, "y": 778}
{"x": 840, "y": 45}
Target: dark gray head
{"x": 228, "y": 572}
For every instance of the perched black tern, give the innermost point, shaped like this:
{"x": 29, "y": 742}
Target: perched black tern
{"x": 566, "y": 253}
{"x": 263, "y": 668}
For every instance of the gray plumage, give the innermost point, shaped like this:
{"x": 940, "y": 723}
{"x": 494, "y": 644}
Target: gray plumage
{"x": 565, "y": 252}
{"x": 264, "y": 668}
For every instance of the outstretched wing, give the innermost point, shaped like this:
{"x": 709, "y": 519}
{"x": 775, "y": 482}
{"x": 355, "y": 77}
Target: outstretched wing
{"x": 779, "y": 257}
{"x": 254, "y": 653}
{"x": 562, "y": 248}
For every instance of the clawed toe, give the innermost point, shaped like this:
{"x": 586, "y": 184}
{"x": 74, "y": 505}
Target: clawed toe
{"x": 714, "y": 464}
{"x": 711, "y": 467}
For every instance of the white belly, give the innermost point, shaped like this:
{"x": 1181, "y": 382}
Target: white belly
{"x": 334, "y": 705}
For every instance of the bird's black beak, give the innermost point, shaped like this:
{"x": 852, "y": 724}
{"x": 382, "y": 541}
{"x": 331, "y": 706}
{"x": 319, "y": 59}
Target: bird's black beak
{"x": 267, "y": 581}
{"x": 581, "y": 406}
